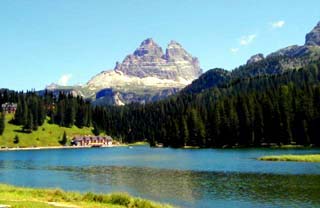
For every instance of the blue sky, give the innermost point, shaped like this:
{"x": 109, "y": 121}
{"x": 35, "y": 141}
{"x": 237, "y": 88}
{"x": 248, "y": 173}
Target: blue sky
{"x": 69, "y": 41}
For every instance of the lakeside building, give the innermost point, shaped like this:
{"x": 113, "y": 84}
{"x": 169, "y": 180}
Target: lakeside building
{"x": 9, "y": 107}
{"x": 92, "y": 141}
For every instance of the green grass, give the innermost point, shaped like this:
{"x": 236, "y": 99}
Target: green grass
{"x": 19, "y": 197}
{"x": 138, "y": 144}
{"x": 46, "y": 135}
{"x": 294, "y": 158}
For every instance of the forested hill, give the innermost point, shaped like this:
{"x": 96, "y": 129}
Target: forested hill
{"x": 282, "y": 109}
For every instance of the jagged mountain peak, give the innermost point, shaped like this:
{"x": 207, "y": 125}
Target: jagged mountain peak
{"x": 149, "y": 61}
{"x": 148, "y": 47}
{"x": 174, "y": 43}
{"x": 255, "y": 58}
{"x": 148, "y": 42}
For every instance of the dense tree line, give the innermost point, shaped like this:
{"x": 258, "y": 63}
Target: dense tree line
{"x": 68, "y": 110}
{"x": 2, "y": 122}
{"x": 30, "y": 112}
{"x": 32, "y": 109}
{"x": 6, "y": 96}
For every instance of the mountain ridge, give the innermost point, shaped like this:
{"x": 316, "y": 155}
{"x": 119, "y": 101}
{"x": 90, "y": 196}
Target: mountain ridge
{"x": 149, "y": 71}
{"x": 145, "y": 74}
{"x": 280, "y": 61}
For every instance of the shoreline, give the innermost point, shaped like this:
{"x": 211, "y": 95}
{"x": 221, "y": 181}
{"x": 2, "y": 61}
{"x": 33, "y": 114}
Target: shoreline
{"x": 292, "y": 158}
{"x": 56, "y": 147}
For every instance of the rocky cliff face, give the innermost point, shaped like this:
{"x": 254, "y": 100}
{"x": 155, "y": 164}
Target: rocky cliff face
{"x": 313, "y": 38}
{"x": 150, "y": 61}
{"x": 147, "y": 75}
{"x": 148, "y": 65}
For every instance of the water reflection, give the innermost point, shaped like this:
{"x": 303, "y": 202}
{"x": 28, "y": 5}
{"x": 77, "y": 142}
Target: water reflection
{"x": 191, "y": 186}
{"x": 188, "y": 178}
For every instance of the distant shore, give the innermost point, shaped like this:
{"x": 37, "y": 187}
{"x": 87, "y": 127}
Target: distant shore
{"x": 56, "y": 147}
{"x": 292, "y": 158}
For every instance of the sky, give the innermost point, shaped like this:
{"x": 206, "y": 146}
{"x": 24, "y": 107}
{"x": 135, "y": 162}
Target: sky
{"x": 70, "y": 41}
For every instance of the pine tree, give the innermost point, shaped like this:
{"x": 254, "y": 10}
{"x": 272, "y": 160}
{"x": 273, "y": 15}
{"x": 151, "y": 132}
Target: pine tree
{"x": 184, "y": 132}
{"x": 29, "y": 124}
{"x": 64, "y": 139}
{"x": 70, "y": 113}
{"x": 96, "y": 130}
{"x": 285, "y": 113}
{"x": 2, "y": 122}
{"x": 196, "y": 129}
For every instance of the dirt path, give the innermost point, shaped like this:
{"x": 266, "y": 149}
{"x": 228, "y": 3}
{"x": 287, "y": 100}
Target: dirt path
{"x": 57, "y": 204}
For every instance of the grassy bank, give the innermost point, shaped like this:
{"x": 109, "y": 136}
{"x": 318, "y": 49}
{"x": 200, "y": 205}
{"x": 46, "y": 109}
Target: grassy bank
{"x": 295, "y": 158}
{"x": 138, "y": 144}
{"x": 46, "y": 135}
{"x": 41, "y": 198}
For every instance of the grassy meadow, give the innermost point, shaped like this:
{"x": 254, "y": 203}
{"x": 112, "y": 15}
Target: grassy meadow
{"x": 46, "y": 135}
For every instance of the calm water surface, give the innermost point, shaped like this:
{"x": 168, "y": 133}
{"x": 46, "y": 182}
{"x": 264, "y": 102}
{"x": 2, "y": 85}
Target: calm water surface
{"x": 186, "y": 178}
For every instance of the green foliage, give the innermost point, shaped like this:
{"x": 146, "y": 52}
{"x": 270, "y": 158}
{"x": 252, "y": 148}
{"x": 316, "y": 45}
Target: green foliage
{"x": 2, "y": 122}
{"x": 47, "y": 135}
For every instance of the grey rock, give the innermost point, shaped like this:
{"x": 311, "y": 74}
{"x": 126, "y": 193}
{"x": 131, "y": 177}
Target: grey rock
{"x": 313, "y": 38}
{"x": 149, "y": 60}
{"x": 291, "y": 51}
{"x": 255, "y": 58}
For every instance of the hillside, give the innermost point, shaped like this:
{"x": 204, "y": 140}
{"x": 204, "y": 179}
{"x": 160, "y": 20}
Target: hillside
{"x": 258, "y": 111}
{"x": 46, "y": 135}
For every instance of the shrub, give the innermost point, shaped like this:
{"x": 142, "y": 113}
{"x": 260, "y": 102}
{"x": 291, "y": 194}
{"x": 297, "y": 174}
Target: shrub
{"x": 16, "y": 139}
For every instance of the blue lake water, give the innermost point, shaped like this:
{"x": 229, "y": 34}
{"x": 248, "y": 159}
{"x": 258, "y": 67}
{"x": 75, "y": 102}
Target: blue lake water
{"x": 182, "y": 177}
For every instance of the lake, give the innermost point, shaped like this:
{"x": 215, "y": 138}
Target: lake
{"x": 183, "y": 177}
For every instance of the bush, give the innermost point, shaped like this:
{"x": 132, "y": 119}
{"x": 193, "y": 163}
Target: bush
{"x": 121, "y": 199}
{"x": 16, "y": 139}
{"x": 64, "y": 139}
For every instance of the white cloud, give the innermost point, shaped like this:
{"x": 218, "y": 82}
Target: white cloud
{"x": 234, "y": 50}
{"x": 64, "y": 79}
{"x": 246, "y": 40}
{"x": 278, "y": 24}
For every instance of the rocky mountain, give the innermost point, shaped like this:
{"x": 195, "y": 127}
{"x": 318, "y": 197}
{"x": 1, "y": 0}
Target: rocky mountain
{"x": 288, "y": 58}
{"x": 147, "y": 75}
{"x": 313, "y": 37}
